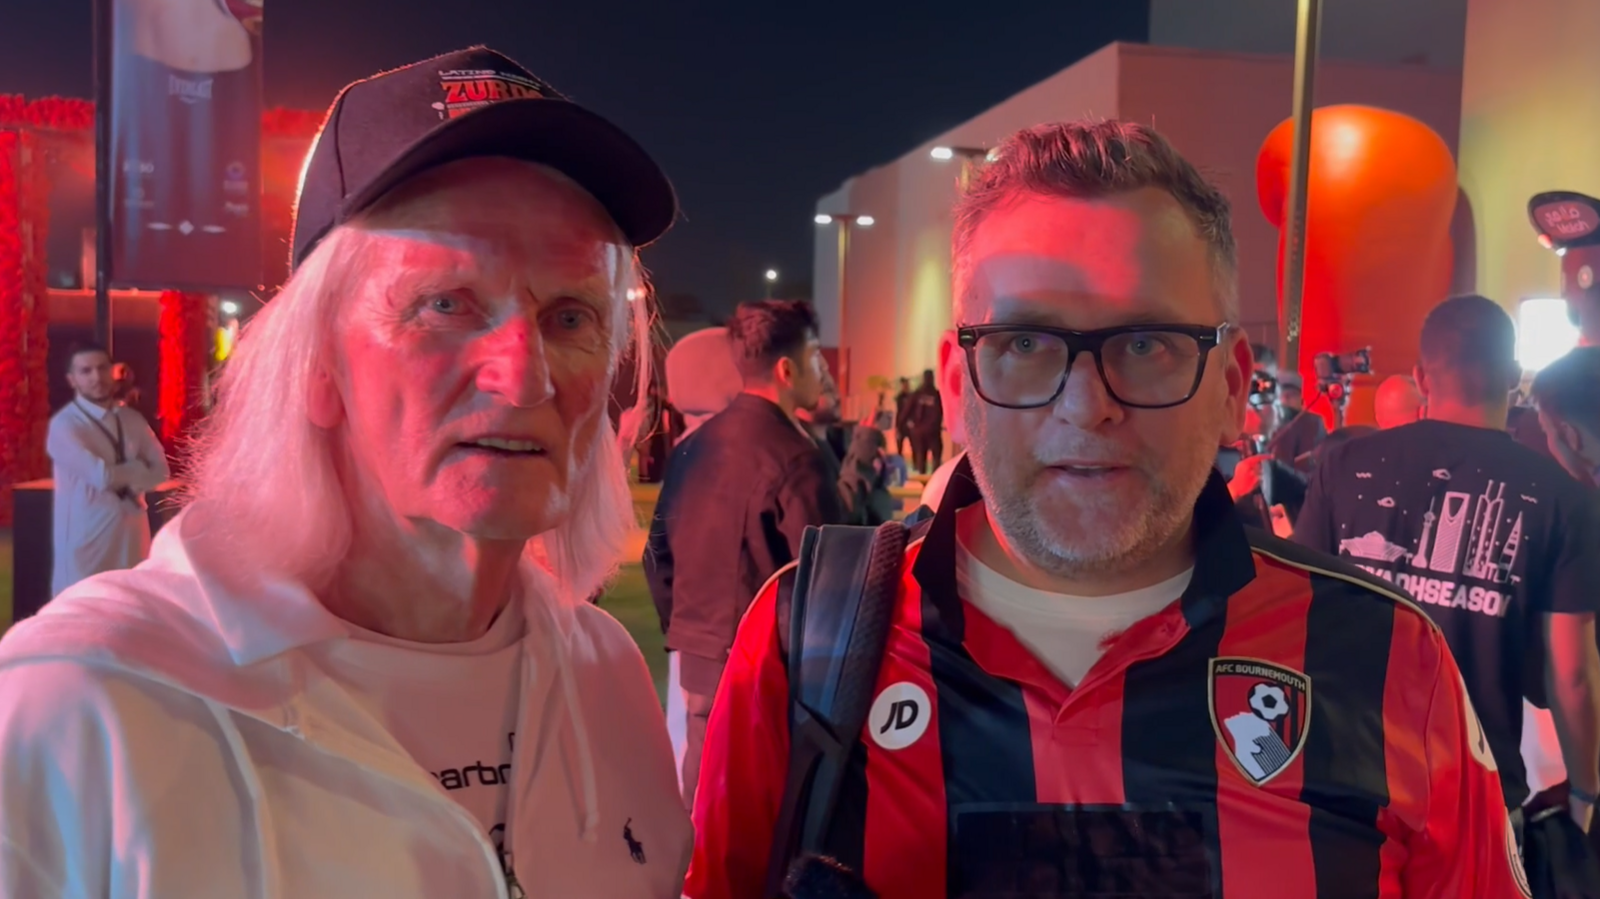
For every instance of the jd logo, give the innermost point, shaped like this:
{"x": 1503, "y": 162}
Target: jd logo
{"x": 899, "y": 716}
{"x": 902, "y": 715}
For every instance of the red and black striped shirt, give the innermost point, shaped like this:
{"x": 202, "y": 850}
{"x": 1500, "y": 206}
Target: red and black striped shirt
{"x": 1288, "y": 728}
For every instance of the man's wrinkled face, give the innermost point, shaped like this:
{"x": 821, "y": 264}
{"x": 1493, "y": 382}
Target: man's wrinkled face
{"x": 476, "y": 356}
{"x": 1087, "y": 485}
{"x": 89, "y": 373}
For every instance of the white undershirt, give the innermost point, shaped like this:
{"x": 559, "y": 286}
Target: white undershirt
{"x": 452, "y": 706}
{"x": 1064, "y": 632}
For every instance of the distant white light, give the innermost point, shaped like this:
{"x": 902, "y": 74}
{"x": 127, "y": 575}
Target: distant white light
{"x": 943, "y": 153}
{"x": 824, "y": 219}
{"x": 635, "y": 293}
{"x": 772, "y": 274}
{"x": 1544, "y": 333}
{"x": 866, "y": 221}
{"x": 229, "y": 307}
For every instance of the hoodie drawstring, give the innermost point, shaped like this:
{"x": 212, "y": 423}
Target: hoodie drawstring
{"x": 569, "y": 691}
{"x": 266, "y": 838}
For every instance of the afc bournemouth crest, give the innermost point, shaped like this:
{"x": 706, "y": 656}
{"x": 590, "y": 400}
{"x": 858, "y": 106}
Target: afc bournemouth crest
{"x": 1261, "y": 712}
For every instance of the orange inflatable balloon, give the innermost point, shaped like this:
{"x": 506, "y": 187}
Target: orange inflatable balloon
{"x": 1379, "y": 199}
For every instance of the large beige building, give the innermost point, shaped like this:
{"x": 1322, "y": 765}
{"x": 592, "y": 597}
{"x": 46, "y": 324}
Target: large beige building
{"x": 1513, "y": 86}
{"x": 1215, "y": 107}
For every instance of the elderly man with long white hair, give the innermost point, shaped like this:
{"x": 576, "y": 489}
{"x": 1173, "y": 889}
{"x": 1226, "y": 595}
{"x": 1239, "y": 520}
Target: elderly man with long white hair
{"x": 359, "y": 662}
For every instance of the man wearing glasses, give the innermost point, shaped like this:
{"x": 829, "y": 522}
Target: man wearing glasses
{"x": 1098, "y": 682}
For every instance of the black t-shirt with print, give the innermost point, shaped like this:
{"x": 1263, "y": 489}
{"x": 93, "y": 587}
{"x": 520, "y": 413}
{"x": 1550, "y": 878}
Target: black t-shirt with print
{"x": 1486, "y": 535}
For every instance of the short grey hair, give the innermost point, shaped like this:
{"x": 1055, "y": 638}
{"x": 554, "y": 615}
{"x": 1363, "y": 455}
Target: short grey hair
{"x": 1090, "y": 159}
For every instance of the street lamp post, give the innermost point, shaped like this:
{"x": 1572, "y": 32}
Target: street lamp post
{"x": 846, "y": 222}
{"x": 1294, "y": 243}
{"x": 970, "y": 158}
{"x": 772, "y": 279}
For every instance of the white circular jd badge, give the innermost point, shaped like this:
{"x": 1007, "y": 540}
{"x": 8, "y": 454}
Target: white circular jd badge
{"x": 899, "y": 716}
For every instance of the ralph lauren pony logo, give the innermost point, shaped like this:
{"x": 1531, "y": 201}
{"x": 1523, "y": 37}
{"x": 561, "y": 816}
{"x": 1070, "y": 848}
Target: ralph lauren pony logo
{"x": 635, "y": 848}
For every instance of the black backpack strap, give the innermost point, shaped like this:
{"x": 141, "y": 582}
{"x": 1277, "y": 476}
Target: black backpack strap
{"x": 836, "y": 615}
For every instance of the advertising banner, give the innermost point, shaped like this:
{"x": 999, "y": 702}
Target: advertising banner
{"x": 185, "y": 154}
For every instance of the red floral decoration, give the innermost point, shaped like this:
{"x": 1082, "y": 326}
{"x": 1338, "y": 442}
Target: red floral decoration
{"x": 13, "y": 408}
{"x": 24, "y": 392}
{"x": 50, "y": 113}
{"x": 187, "y": 320}
{"x": 185, "y": 330}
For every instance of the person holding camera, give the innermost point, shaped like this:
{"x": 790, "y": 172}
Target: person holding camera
{"x": 1494, "y": 541}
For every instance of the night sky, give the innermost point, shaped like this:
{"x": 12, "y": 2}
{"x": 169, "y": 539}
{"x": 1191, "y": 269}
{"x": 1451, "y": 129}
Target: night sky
{"x": 754, "y": 109}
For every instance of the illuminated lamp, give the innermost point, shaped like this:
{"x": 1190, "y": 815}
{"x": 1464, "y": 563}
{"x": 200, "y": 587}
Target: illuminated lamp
{"x": 1545, "y": 332}
{"x": 1381, "y": 194}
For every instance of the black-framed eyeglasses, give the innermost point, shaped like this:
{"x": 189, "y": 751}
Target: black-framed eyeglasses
{"x": 1142, "y": 366}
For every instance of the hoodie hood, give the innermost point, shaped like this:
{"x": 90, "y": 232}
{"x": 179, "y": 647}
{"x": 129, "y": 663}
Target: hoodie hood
{"x": 182, "y": 619}
{"x": 189, "y": 619}
{"x": 702, "y": 378}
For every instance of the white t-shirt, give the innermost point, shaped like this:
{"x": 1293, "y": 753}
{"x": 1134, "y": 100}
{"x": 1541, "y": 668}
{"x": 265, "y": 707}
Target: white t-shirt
{"x": 1064, "y": 632}
{"x": 1541, "y": 749}
{"x": 452, "y": 706}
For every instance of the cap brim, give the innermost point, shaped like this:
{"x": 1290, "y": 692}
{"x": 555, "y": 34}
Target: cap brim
{"x": 596, "y": 154}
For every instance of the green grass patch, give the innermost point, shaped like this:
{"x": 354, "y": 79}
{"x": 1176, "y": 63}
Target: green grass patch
{"x": 629, "y": 602}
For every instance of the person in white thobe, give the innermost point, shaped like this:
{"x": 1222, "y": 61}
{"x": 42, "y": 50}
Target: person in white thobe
{"x": 104, "y": 458}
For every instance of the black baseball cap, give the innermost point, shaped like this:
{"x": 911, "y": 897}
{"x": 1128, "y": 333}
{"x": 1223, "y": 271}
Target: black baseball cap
{"x": 474, "y": 102}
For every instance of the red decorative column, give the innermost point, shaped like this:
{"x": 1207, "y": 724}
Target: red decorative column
{"x": 24, "y": 392}
{"x": 186, "y": 340}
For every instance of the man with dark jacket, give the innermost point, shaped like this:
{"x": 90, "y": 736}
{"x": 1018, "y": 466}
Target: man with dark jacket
{"x": 902, "y": 417}
{"x": 737, "y": 496}
{"x": 927, "y": 425}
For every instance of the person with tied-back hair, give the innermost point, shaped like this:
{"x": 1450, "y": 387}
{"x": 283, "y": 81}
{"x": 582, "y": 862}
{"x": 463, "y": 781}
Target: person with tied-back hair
{"x": 739, "y": 493}
{"x": 1097, "y": 682}
{"x": 359, "y": 661}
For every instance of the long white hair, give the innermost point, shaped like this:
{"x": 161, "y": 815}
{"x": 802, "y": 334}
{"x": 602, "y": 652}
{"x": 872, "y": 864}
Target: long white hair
{"x": 265, "y": 474}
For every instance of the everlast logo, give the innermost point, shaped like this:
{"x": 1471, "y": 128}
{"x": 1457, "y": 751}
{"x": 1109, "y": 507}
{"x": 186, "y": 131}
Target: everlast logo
{"x": 465, "y": 91}
{"x": 189, "y": 90}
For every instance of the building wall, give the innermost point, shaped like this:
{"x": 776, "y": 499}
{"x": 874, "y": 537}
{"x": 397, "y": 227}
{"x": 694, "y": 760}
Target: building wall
{"x": 1530, "y": 122}
{"x": 899, "y": 270}
{"x": 1381, "y": 31}
{"x": 1218, "y": 108}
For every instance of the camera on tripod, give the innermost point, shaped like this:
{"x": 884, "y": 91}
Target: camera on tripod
{"x": 1263, "y": 389}
{"x": 1332, "y": 366}
{"x": 1334, "y": 372}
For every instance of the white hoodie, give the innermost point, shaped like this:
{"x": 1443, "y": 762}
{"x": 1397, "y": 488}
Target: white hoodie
{"x": 164, "y": 733}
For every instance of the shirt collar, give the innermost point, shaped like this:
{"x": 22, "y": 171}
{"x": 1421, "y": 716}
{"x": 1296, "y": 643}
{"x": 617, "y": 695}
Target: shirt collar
{"x": 95, "y": 410}
{"x": 1223, "y": 562}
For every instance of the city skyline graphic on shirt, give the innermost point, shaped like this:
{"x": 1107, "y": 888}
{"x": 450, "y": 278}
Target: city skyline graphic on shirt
{"x": 1463, "y": 535}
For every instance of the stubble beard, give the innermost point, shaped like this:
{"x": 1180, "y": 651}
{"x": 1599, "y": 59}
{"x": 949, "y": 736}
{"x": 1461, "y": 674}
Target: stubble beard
{"x": 1087, "y": 540}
